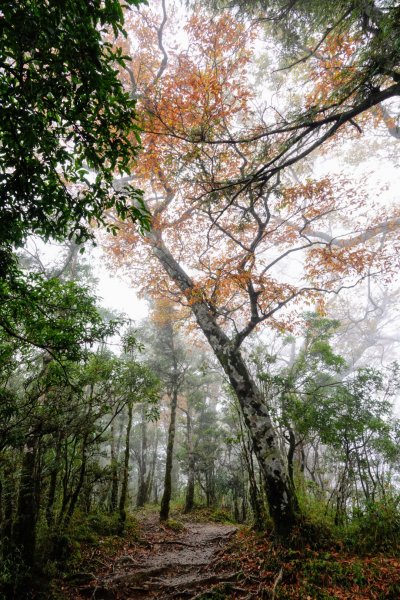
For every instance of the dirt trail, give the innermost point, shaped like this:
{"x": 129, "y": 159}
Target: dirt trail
{"x": 167, "y": 565}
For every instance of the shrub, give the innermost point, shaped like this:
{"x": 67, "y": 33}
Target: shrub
{"x": 221, "y": 516}
{"x": 377, "y": 528}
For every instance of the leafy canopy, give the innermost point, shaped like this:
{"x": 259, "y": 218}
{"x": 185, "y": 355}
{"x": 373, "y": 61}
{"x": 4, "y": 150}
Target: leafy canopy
{"x": 321, "y": 396}
{"x": 60, "y": 317}
{"x": 196, "y": 101}
{"x": 300, "y": 28}
{"x": 66, "y": 124}
{"x": 350, "y": 49}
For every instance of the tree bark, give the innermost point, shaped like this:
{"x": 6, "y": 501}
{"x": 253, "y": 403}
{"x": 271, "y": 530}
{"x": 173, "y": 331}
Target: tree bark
{"x": 189, "y": 501}
{"x": 150, "y": 477}
{"x": 166, "y": 498}
{"x": 53, "y": 482}
{"x": 142, "y": 488}
{"x": 282, "y": 501}
{"x": 290, "y": 454}
{"x": 114, "y": 471}
{"x": 125, "y": 476}
{"x": 256, "y": 499}
{"x": 25, "y": 523}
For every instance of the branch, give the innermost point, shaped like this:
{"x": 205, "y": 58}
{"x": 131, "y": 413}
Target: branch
{"x": 164, "y": 62}
{"x": 394, "y": 130}
{"x": 302, "y": 122}
{"x": 337, "y": 120}
{"x": 313, "y": 52}
{"x": 384, "y": 227}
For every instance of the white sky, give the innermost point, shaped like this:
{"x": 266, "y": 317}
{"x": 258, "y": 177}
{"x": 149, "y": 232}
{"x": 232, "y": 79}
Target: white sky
{"x": 116, "y": 292}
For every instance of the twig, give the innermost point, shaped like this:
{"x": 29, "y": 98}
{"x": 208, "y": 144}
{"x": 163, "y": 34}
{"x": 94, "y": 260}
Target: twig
{"x": 276, "y": 583}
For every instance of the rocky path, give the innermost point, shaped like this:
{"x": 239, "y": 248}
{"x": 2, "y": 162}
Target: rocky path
{"x": 167, "y": 565}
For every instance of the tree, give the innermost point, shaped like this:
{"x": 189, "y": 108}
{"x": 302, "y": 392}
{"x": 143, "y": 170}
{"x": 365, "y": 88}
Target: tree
{"x": 350, "y": 50}
{"x": 337, "y": 419}
{"x": 142, "y": 386}
{"x": 65, "y": 133}
{"x": 236, "y": 243}
{"x": 64, "y": 113}
{"x": 47, "y": 401}
{"x": 58, "y": 317}
{"x": 169, "y": 361}
{"x": 202, "y": 391}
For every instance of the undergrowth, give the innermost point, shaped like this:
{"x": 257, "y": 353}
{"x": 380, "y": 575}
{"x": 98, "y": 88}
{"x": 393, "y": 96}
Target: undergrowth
{"x": 360, "y": 559}
{"x": 308, "y": 573}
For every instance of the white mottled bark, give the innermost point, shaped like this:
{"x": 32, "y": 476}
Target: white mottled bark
{"x": 281, "y": 497}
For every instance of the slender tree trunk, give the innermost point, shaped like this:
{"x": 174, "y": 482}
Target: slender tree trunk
{"x": 142, "y": 488}
{"x": 244, "y": 501}
{"x": 125, "y": 474}
{"x": 114, "y": 471}
{"x": 166, "y": 498}
{"x": 207, "y": 489}
{"x": 25, "y": 523}
{"x": 66, "y": 479}
{"x": 282, "y": 501}
{"x": 53, "y": 484}
{"x": 150, "y": 478}
{"x": 210, "y": 486}
{"x": 302, "y": 457}
{"x": 290, "y": 455}
{"x": 189, "y": 501}
{"x": 155, "y": 489}
{"x": 75, "y": 495}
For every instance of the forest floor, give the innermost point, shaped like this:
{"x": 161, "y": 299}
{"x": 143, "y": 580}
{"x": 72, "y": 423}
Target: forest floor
{"x": 195, "y": 558}
{"x": 165, "y": 561}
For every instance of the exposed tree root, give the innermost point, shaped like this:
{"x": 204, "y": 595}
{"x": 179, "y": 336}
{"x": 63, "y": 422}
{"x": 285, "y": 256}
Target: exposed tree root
{"x": 277, "y": 581}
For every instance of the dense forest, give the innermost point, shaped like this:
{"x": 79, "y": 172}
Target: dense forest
{"x": 236, "y": 164}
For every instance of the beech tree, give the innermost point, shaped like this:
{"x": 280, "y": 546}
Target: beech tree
{"x": 222, "y": 251}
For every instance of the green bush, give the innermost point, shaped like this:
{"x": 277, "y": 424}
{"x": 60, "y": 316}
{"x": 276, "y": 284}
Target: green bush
{"x": 174, "y": 525}
{"x": 377, "y": 528}
{"x": 221, "y": 516}
{"x": 103, "y": 524}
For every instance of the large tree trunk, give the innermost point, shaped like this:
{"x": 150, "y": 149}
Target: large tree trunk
{"x": 256, "y": 499}
{"x": 166, "y": 498}
{"x": 280, "y": 494}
